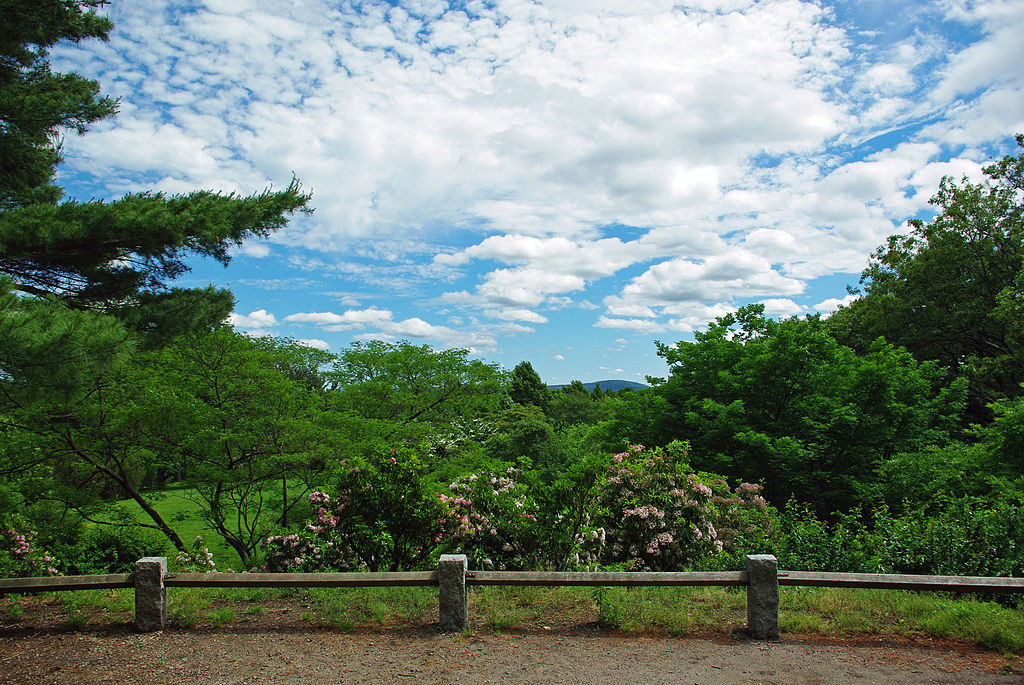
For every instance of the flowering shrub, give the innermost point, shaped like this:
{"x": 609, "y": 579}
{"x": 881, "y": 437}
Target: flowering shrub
{"x": 745, "y": 522}
{"x": 197, "y": 559}
{"x": 381, "y": 518}
{"x": 504, "y": 522}
{"x": 657, "y": 512}
{"x": 19, "y": 558}
{"x": 317, "y": 547}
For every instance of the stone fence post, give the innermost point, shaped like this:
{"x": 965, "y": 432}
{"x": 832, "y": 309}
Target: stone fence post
{"x": 763, "y": 596}
{"x": 150, "y": 594}
{"x": 453, "y": 600}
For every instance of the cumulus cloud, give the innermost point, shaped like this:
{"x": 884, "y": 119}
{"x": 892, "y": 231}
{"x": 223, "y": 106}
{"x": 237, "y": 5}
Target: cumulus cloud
{"x": 315, "y": 343}
{"x": 781, "y": 306}
{"x": 348, "y": 319}
{"x": 257, "y": 320}
{"x": 507, "y": 157}
{"x": 829, "y": 305}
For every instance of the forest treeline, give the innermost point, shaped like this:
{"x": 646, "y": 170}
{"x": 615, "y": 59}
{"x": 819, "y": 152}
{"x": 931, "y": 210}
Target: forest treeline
{"x": 887, "y": 436}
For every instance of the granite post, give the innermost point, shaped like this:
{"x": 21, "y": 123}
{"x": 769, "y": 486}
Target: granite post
{"x": 763, "y": 596}
{"x": 453, "y": 600}
{"x": 150, "y": 594}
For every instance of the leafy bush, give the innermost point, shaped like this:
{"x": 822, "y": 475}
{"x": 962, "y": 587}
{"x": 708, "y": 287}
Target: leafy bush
{"x": 383, "y": 517}
{"x": 19, "y": 556}
{"x": 504, "y": 521}
{"x": 745, "y": 522}
{"x": 107, "y": 550}
{"x": 317, "y": 547}
{"x": 657, "y": 513}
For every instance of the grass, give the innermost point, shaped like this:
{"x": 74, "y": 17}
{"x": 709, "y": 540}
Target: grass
{"x": 377, "y": 608}
{"x": 675, "y": 611}
{"x": 185, "y": 517}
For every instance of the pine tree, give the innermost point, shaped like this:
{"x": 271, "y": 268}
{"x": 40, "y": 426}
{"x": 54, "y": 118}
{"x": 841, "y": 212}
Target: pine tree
{"x": 526, "y": 386}
{"x": 113, "y": 261}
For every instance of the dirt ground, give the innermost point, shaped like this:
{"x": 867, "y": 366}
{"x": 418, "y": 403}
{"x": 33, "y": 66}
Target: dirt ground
{"x": 267, "y": 649}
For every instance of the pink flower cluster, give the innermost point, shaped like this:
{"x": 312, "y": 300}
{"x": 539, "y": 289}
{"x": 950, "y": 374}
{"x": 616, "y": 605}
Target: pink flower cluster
{"x": 658, "y": 511}
{"x": 19, "y": 546}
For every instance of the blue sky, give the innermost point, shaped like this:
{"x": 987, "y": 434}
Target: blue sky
{"x": 562, "y": 182}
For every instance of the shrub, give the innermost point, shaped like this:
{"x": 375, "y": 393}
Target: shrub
{"x": 508, "y": 521}
{"x": 317, "y": 547}
{"x": 657, "y": 512}
{"x": 382, "y": 517}
{"x": 107, "y": 550}
{"x": 19, "y": 556}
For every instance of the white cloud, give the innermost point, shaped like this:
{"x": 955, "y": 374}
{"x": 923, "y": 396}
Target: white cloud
{"x": 253, "y": 321}
{"x": 523, "y": 155}
{"x": 637, "y": 325}
{"x": 736, "y": 275}
{"x": 781, "y": 306}
{"x": 517, "y": 288}
{"x": 349, "y": 319}
{"x": 315, "y": 343}
{"x": 831, "y": 304}
{"x": 515, "y": 315}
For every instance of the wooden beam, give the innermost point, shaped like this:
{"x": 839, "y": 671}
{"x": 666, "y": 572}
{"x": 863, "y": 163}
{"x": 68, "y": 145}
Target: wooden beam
{"x": 395, "y": 579}
{"x": 901, "y": 581}
{"x": 60, "y": 583}
{"x": 594, "y": 579}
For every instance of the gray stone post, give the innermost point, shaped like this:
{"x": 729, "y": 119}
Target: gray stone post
{"x": 763, "y": 596}
{"x": 453, "y": 600}
{"x": 150, "y": 594}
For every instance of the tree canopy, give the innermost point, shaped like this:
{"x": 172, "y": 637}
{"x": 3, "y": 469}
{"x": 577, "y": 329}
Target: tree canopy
{"x": 36, "y": 104}
{"x": 951, "y": 290}
{"x": 784, "y": 401}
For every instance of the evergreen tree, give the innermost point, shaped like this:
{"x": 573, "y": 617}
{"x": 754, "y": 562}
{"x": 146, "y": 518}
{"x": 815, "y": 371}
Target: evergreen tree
{"x": 526, "y": 386}
{"x": 109, "y": 261}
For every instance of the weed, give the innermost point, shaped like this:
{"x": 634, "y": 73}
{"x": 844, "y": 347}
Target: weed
{"x": 221, "y": 616}
{"x": 75, "y": 621}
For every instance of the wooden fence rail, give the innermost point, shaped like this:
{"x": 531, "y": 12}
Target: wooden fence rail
{"x": 452, "y": 578}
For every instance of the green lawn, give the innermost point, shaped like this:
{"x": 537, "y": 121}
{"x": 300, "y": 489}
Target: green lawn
{"x": 183, "y": 514}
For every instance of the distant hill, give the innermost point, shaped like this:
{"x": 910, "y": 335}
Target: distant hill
{"x": 606, "y": 385}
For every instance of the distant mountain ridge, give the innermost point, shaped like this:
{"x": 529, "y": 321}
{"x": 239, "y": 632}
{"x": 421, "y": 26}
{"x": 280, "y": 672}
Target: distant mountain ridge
{"x": 605, "y": 385}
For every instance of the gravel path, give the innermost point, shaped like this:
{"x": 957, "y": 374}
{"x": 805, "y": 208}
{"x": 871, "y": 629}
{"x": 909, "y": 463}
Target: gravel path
{"x": 262, "y": 654}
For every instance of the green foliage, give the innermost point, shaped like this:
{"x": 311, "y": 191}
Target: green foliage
{"x": 106, "y": 550}
{"x": 513, "y": 520}
{"x": 36, "y": 104}
{"x": 20, "y": 556}
{"x": 744, "y": 521}
{"x": 950, "y": 290}
{"x": 644, "y": 417}
{"x": 962, "y": 536}
{"x": 401, "y": 391}
{"x": 784, "y": 402}
{"x": 522, "y": 435}
{"x": 385, "y": 510}
{"x": 810, "y": 544}
{"x": 318, "y": 546}
{"x": 238, "y": 427}
{"x": 656, "y": 512}
{"x": 49, "y": 353}
{"x": 571, "y": 407}
{"x": 526, "y": 387}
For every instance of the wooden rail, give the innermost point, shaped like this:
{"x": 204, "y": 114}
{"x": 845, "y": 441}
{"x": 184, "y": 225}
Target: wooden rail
{"x": 452, "y": 577}
{"x": 632, "y": 579}
{"x": 61, "y": 583}
{"x": 901, "y": 581}
{"x": 300, "y": 579}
